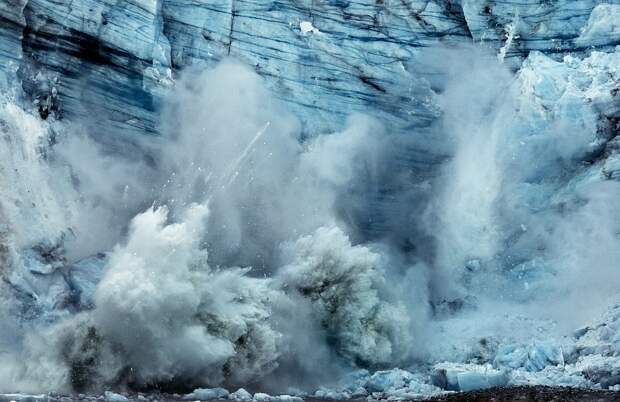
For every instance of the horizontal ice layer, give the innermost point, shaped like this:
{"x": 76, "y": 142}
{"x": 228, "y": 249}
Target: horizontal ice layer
{"x": 117, "y": 59}
{"x": 11, "y": 26}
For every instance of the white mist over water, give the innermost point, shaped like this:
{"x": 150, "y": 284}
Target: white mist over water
{"x": 238, "y": 254}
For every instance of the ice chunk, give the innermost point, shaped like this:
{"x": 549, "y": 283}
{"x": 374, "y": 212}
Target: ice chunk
{"x": 114, "y": 397}
{"x": 240, "y": 395}
{"x": 354, "y": 382}
{"x": 325, "y": 393}
{"x": 207, "y": 394}
{"x": 351, "y": 385}
{"x": 84, "y": 276}
{"x": 307, "y": 27}
{"x": 471, "y": 380}
{"x": 42, "y": 260}
{"x": 23, "y": 397}
{"x": 359, "y": 392}
{"x": 541, "y": 356}
{"x": 550, "y": 376}
{"x": 601, "y": 337}
{"x": 597, "y": 369}
{"x": 382, "y": 381}
{"x": 417, "y": 388}
{"x": 262, "y": 397}
{"x": 510, "y": 356}
{"x": 532, "y": 358}
{"x": 42, "y": 281}
{"x": 467, "y": 377}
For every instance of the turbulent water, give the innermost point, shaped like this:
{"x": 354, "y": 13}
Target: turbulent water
{"x": 238, "y": 249}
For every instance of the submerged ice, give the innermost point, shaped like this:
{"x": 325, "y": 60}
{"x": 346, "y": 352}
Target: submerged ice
{"x": 238, "y": 250}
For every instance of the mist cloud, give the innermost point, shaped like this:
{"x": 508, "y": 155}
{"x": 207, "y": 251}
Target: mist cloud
{"x": 240, "y": 254}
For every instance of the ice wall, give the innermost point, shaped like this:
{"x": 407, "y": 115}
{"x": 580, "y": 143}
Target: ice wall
{"x": 468, "y": 176}
{"x": 112, "y": 60}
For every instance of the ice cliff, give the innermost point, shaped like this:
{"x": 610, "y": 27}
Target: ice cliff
{"x": 202, "y": 193}
{"x": 113, "y": 59}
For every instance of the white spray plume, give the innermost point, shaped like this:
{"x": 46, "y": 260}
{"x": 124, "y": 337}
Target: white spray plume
{"x": 362, "y": 255}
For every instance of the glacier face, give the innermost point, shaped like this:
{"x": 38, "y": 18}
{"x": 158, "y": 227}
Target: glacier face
{"x": 115, "y": 60}
{"x": 467, "y": 179}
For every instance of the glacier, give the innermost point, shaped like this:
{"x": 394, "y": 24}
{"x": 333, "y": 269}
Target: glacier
{"x": 332, "y": 199}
